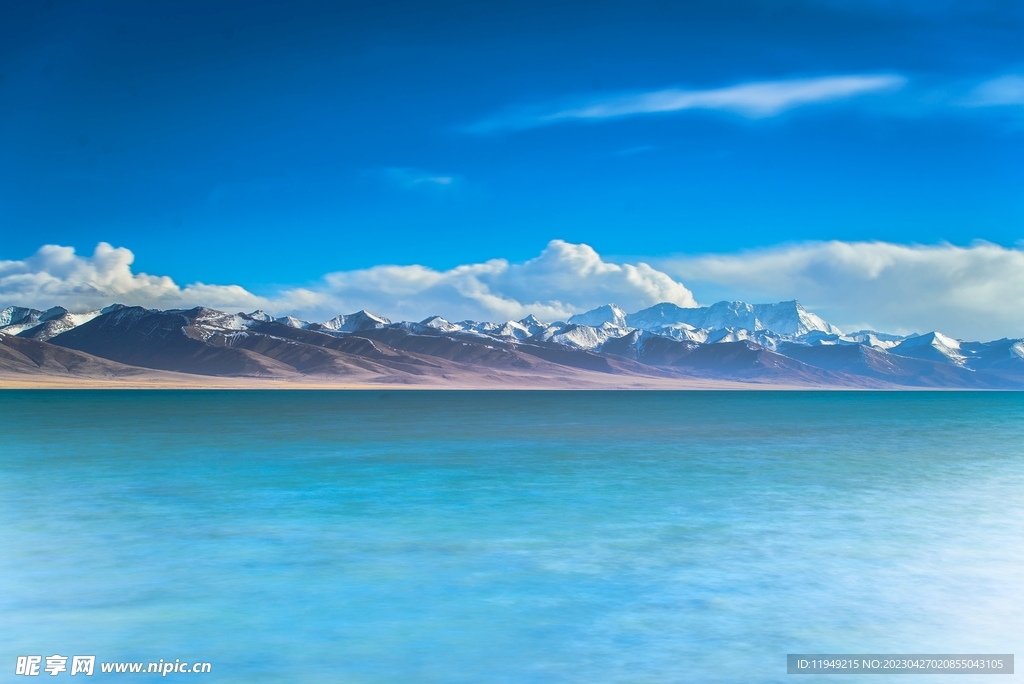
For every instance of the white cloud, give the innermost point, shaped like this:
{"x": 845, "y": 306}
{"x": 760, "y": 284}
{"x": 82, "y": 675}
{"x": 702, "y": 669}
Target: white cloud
{"x": 1005, "y": 90}
{"x": 56, "y": 275}
{"x": 565, "y": 279}
{"x": 754, "y": 100}
{"x": 409, "y": 177}
{"x": 974, "y": 292}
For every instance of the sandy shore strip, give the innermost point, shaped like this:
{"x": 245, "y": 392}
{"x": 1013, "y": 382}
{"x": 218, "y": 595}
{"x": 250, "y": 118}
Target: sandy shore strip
{"x": 184, "y": 381}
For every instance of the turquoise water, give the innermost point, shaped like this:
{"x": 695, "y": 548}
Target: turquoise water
{"x": 509, "y": 537}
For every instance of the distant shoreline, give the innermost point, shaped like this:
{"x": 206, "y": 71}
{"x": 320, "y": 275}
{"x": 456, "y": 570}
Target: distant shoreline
{"x": 631, "y": 383}
{"x": 168, "y": 381}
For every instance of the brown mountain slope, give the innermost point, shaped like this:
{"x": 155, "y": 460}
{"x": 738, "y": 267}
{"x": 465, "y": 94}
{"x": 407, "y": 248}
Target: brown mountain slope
{"x": 25, "y": 356}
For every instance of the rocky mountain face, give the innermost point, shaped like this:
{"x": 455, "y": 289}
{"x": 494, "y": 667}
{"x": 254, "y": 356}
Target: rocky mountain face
{"x": 773, "y": 344}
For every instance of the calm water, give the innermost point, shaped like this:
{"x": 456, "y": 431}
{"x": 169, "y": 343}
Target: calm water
{"x": 509, "y": 537}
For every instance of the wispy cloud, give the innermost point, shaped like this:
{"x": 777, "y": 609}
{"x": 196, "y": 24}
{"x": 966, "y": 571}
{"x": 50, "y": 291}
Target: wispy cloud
{"x": 754, "y": 100}
{"x": 410, "y": 177}
{"x": 1005, "y": 90}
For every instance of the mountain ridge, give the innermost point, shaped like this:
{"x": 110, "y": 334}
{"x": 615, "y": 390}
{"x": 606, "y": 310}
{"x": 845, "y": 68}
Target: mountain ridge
{"x": 779, "y": 344}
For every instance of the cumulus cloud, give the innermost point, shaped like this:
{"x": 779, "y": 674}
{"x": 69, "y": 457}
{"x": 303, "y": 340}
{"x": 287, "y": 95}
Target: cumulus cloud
{"x": 56, "y": 275}
{"x": 974, "y": 292}
{"x": 564, "y": 279}
{"x": 754, "y": 100}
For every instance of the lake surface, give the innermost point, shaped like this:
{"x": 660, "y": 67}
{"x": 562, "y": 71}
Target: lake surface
{"x": 509, "y": 536}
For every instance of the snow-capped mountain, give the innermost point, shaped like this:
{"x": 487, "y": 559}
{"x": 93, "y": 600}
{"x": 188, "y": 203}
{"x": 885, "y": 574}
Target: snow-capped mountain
{"x": 14, "y": 315}
{"x": 872, "y": 338}
{"x": 42, "y": 325}
{"x": 933, "y": 347}
{"x": 595, "y": 318}
{"x": 293, "y": 322}
{"x": 261, "y": 316}
{"x": 510, "y": 330}
{"x": 780, "y": 342}
{"x": 581, "y": 336}
{"x": 438, "y": 323}
{"x": 786, "y": 318}
{"x": 360, "y": 320}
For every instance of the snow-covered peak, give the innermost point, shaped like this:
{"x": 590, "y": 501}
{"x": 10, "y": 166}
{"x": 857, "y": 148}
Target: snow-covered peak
{"x": 933, "y": 346}
{"x": 791, "y": 318}
{"x": 42, "y": 325}
{"x": 261, "y": 316}
{"x": 661, "y": 315}
{"x": 205, "y": 323}
{"x": 14, "y": 319}
{"x": 481, "y": 327}
{"x": 728, "y": 315}
{"x": 507, "y": 330}
{"x": 581, "y": 336}
{"x": 727, "y": 335}
{"x": 609, "y": 313}
{"x": 532, "y": 324}
{"x": 52, "y": 327}
{"x": 360, "y": 320}
{"x": 211, "y": 318}
{"x": 872, "y": 338}
{"x": 16, "y": 314}
{"x": 947, "y": 342}
{"x": 438, "y": 323}
{"x": 531, "y": 320}
{"x": 682, "y": 331}
{"x": 784, "y": 318}
{"x": 513, "y": 329}
{"x": 292, "y": 322}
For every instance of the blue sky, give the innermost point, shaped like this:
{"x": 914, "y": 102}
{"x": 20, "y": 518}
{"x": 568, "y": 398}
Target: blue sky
{"x": 268, "y": 144}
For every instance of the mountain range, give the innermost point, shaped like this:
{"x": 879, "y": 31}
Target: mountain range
{"x": 726, "y": 344}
